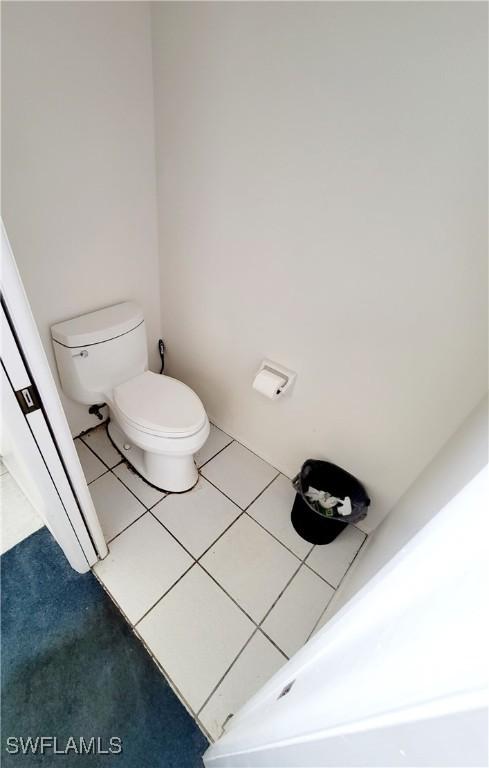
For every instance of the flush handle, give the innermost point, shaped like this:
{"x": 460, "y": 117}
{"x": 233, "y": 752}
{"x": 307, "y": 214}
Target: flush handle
{"x": 83, "y": 353}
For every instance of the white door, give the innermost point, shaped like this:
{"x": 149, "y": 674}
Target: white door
{"x": 398, "y": 677}
{"x": 36, "y": 458}
{"x": 36, "y": 431}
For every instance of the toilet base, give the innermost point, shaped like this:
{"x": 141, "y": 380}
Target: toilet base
{"x": 174, "y": 474}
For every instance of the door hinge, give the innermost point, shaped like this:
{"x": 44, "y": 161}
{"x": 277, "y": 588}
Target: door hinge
{"x": 28, "y": 399}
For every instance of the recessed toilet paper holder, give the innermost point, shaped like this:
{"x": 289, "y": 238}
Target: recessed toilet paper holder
{"x": 285, "y": 378}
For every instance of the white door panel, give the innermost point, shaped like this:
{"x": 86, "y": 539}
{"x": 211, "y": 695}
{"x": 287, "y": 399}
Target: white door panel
{"x": 29, "y": 376}
{"x": 26, "y": 464}
{"x": 33, "y": 458}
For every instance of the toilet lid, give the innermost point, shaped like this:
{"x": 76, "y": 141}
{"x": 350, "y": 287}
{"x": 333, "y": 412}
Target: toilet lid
{"x": 160, "y": 405}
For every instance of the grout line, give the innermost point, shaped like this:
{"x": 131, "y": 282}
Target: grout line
{"x": 107, "y": 590}
{"x": 221, "y": 491}
{"x": 172, "y": 685}
{"x": 227, "y": 670}
{"x": 172, "y": 535}
{"x": 220, "y": 536}
{"x": 164, "y": 594}
{"x": 231, "y": 440}
{"x": 221, "y": 680}
{"x": 197, "y": 560}
{"x": 91, "y": 429}
{"x": 161, "y": 669}
{"x": 242, "y": 512}
{"x": 348, "y": 566}
{"x": 335, "y": 588}
{"x": 243, "y": 509}
{"x": 273, "y": 642}
{"x": 96, "y": 478}
{"x": 262, "y": 491}
{"x": 227, "y": 593}
{"x": 96, "y": 454}
{"x": 319, "y": 575}
{"x": 319, "y": 618}
{"x": 212, "y": 544}
{"x": 165, "y": 493}
{"x": 276, "y": 537}
{"x": 257, "y": 624}
{"x": 359, "y": 529}
{"x": 235, "y": 439}
{"x": 109, "y": 541}
{"x": 301, "y": 563}
{"x": 131, "y": 492}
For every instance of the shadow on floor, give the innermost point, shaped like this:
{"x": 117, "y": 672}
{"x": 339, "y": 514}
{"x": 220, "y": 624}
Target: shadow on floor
{"x": 71, "y": 667}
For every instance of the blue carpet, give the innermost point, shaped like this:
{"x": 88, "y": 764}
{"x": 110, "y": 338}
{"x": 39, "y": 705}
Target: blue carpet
{"x": 71, "y": 667}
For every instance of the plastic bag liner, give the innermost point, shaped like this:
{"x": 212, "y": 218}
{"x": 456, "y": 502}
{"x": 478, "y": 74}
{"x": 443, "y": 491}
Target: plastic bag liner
{"x": 320, "y": 527}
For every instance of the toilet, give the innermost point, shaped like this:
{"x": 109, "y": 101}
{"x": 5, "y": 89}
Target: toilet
{"x": 157, "y": 423}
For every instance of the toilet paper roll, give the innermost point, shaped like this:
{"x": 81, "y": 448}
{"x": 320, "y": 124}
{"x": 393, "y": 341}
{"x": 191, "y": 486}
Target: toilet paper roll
{"x": 268, "y": 383}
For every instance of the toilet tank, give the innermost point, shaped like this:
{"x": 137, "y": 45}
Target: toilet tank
{"x": 96, "y": 352}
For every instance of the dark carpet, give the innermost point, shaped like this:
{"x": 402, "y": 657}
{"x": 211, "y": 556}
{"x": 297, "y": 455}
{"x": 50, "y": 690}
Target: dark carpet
{"x": 71, "y": 667}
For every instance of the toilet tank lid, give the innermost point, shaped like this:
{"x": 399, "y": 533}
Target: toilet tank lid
{"x": 95, "y": 327}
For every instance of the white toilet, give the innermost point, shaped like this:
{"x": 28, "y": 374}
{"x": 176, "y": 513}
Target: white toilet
{"x": 156, "y": 422}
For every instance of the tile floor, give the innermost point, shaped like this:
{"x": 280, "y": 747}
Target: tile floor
{"x": 216, "y": 582}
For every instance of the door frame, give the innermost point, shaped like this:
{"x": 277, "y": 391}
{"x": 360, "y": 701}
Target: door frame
{"x": 26, "y": 365}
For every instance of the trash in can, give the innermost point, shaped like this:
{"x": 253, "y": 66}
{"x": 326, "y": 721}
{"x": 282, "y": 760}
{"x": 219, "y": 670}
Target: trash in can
{"x": 328, "y": 498}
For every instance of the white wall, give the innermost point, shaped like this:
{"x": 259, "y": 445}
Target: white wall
{"x": 322, "y": 202}
{"x": 79, "y": 186}
{"x": 460, "y": 459}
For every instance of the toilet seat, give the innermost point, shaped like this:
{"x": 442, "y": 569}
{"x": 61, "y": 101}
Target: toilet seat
{"x": 160, "y": 405}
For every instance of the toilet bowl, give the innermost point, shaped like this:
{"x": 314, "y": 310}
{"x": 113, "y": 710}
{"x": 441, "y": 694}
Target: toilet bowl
{"x": 156, "y": 422}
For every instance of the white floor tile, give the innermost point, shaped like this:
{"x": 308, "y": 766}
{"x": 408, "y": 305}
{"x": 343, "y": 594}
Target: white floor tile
{"x": 251, "y": 566}
{"x": 198, "y": 517}
{"x": 239, "y": 474}
{"x": 195, "y": 632}
{"x": 18, "y": 517}
{"x": 91, "y": 465}
{"x": 99, "y": 442}
{"x": 146, "y": 494}
{"x": 331, "y": 561}
{"x": 292, "y": 619}
{"x": 258, "y": 662}
{"x": 116, "y": 507}
{"x": 216, "y": 441}
{"x": 272, "y": 509}
{"x": 142, "y": 564}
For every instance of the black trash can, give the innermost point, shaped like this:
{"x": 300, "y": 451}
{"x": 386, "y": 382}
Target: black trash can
{"x": 311, "y": 520}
